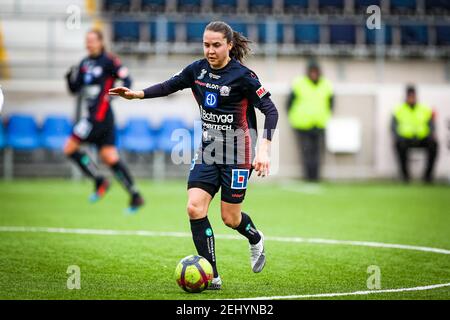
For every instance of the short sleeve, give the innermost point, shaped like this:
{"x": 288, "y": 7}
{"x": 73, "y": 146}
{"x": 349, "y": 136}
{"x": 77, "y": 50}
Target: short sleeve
{"x": 253, "y": 88}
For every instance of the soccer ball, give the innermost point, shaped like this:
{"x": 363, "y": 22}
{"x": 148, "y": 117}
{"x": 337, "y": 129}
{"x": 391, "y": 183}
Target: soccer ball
{"x": 194, "y": 273}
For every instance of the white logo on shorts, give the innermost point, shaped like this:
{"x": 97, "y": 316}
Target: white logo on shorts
{"x": 83, "y": 128}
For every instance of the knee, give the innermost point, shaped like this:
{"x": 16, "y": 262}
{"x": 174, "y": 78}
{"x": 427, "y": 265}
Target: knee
{"x": 230, "y": 221}
{"x": 195, "y": 211}
{"x": 69, "y": 148}
{"x": 109, "y": 159}
{"x": 67, "y": 151}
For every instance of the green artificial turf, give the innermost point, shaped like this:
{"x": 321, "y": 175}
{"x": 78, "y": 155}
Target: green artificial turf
{"x": 33, "y": 265}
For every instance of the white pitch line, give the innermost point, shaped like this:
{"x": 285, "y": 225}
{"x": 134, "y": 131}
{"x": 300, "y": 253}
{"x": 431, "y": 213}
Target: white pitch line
{"x": 146, "y": 233}
{"x": 341, "y": 294}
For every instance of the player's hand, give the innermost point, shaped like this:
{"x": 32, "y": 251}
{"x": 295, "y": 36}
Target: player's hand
{"x": 126, "y": 93}
{"x": 261, "y": 164}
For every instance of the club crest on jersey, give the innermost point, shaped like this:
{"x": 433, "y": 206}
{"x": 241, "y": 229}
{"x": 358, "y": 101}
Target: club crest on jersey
{"x": 225, "y": 91}
{"x": 202, "y": 74}
{"x": 210, "y": 99}
{"x": 261, "y": 92}
{"x": 97, "y": 71}
{"x": 239, "y": 178}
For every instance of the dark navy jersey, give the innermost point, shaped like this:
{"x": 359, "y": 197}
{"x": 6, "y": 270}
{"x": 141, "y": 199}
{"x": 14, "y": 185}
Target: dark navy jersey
{"x": 93, "y": 79}
{"x": 226, "y": 98}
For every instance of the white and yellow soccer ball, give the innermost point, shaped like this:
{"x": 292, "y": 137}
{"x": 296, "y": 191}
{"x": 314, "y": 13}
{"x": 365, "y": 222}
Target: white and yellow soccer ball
{"x": 194, "y": 273}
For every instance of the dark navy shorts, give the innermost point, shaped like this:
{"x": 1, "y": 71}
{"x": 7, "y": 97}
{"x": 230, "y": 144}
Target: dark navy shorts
{"x": 232, "y": 179}
{"x": 98, "y": 133}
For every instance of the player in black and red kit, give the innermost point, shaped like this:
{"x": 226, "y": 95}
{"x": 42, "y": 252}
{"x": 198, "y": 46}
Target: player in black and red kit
{"x": 92, "y": 79}
{"x": 227, "y": 93}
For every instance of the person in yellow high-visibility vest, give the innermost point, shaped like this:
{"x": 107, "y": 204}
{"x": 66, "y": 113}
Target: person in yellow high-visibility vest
{"x": 309, "y": 108}
{"x": 413, "y": 126}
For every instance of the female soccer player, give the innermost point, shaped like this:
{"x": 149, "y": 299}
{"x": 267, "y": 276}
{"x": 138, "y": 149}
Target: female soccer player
{"x": 92, "y": 79}
{"x": 226, "y": 92}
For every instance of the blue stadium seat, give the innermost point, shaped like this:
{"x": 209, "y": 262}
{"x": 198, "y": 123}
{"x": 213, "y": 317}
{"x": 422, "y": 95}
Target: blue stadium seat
{"x": 307, "y": 33}
{"x": 117, "y": 5}
{"x": 138, "y": 136}
{"x": 239, "y": 27}
{"x": 2, "y": 135}
{"x": 22, "y": 133}
{"x": 443, "y": 35}
{"x": 55, "y": 131}
{"x": 194, "y": 31}
{"x": 331, "y": 5}
{"x": 262, "y": 6}
{"x": 126, "y": 31}
{"x": 371, "y": 35}
{"x": 119, "y": 138}
{"x": 361, "y": 5}
{"x": 153, "y": 5}
{"x": 342, "y": 34}
{"x": 189, "y": 5}
{"x": 403, "y": 6}
{"x": 263, "y": 36}
{"x": 437, "y": 6}
{"x": 170, "y": 31}
{"x": 225, "y": 6}
{"x": 167, "y": 127}
{"x": 295, "y": 6}
{"x": 414, "y": 35}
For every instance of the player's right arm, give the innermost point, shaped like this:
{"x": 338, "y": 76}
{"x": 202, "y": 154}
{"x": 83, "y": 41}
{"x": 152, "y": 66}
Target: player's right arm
{"x": 179, "y": 81}
{"x": 74, "y": 79}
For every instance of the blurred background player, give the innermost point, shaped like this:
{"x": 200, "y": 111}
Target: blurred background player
{"x": 413, "y": 126}
{"x": 309, "y": 105}
{"x": 227, "y": 93}
{"x": 93, "y": 78}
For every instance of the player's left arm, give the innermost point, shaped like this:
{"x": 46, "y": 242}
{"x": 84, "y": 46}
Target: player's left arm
{"x": 259, "y": 97}
{"x": 262, "y": 159}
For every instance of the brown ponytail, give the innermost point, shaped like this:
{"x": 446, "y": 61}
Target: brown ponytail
{"x": 241, "y": 48}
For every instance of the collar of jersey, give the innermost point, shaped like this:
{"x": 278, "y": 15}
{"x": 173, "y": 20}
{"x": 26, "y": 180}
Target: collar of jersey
{"x": 99, "y": 56}
{"x": 221, "y": 69}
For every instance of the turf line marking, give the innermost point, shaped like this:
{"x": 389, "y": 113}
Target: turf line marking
{"x": 146, "y": 233}
{"x": 341, "y": 294}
